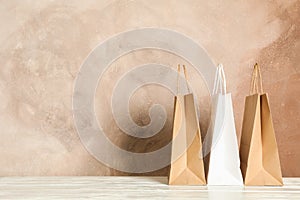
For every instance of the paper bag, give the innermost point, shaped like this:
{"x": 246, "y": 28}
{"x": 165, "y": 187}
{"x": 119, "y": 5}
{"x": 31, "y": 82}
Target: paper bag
{"x": 259, "y": 153}
{"x": 187, "y": 167}
{"x": 224, "y": 161}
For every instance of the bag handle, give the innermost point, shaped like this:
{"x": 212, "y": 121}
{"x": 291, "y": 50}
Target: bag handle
{"x": 185, "y": 77}
{"x": 256, "y": 81}
{"x": 220, "y": 81}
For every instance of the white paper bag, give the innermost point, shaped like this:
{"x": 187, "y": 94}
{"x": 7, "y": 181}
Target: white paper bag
{"x": 224, "y": 162}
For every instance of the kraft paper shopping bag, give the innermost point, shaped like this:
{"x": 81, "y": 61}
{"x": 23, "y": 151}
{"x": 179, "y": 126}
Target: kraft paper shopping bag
{"x": 187, "y": 166}
{"x": 260, "y": 162}
{"x": 224, "y": 161}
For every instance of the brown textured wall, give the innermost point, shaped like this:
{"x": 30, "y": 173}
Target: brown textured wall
{"x": 43, "y": 44}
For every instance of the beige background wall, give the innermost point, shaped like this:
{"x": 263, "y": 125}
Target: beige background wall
{"x": 43, "y": 44}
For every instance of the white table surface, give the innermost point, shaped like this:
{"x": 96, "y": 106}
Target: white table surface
{"x": 125, "y": 187}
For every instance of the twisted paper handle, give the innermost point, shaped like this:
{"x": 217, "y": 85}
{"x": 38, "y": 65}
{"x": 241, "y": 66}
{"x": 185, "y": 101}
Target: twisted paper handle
{"x": 220, "y": 81}
{"x": 185, "y": 77}
{"x": 256, "y": 81}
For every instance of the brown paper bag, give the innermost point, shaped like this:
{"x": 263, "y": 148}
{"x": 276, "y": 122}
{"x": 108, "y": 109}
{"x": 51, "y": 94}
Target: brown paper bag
{"x": 260, "y": 163}
{"x": 187, "y": 168}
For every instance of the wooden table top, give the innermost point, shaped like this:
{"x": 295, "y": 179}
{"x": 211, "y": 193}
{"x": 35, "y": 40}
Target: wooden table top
{"x": 130, "y": 187}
